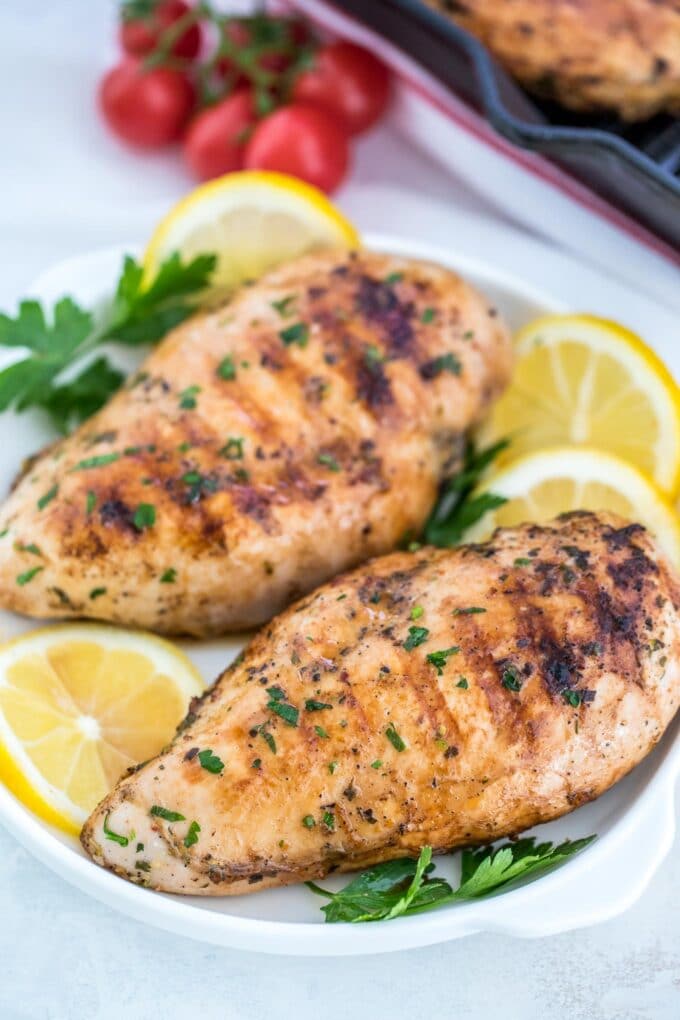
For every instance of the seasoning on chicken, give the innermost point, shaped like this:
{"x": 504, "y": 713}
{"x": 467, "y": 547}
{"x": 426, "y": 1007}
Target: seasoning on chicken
{"x": 262, "y": 448}
{"x": 443, "y": 698}
{"x": 620, "y": 56}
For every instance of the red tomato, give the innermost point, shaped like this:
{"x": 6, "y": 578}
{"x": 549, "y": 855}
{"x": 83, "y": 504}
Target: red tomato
{"x": 349, "y": 81}
{"x": 300, "y": 140}
{"x": 139, "y": 36}
{"x": 216, "y": 140}
{"x": 145, "y": 108}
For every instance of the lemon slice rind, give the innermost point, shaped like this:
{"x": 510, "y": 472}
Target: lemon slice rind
{"x": 18, "y": 772}
{"x": 253, "y": 220}
{"x": 650, "y": 381}
{"x": 639, "y": 499}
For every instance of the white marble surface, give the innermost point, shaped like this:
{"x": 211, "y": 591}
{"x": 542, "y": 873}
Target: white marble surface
{"x": 65, "y": 187}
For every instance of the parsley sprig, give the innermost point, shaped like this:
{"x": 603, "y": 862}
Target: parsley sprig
{"x": 59, "y": 372}
{"x": 406, "y": 886}
{"x": 457, "y": 509}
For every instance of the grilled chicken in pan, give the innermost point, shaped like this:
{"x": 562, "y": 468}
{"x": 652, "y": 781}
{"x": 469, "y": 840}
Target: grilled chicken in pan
{"x": 446, "y": 697}
{"x": 621, "y": 56}
{"x": 263, "y": 447}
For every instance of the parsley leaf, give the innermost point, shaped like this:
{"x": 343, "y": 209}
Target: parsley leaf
{"x": 457, "y": 508}
{"x": 405, "y": 886}
{"x": 438, "y": 659}
{"x": 416, "y": 636}
{"x": 192, "y": 835}
{"x": 57, "y": 372}
{"x": 170, "y": 816}
{"x": 210, "y": 762}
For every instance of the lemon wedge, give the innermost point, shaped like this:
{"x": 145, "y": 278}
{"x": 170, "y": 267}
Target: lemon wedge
{"x": 252, "y": 220}
{"x": 542, "y": 485}
{"x": 579, "y": 379}
{"x": 80, "y": 704}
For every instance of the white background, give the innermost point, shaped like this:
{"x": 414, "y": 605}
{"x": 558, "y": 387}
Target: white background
{"x": 65, "y": 187}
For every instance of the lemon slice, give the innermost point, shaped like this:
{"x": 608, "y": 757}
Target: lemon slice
{"x": 253, "y": 221}
{"x": 579, "y": 379}
{"x": 81, "y": 703}
{"x": 542, "y": 485}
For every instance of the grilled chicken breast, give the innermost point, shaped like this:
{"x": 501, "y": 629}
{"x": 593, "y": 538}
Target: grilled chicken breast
{"x": 446, "y": 697}
{"x": 262, "y": 448}
{"x": 592, "y": 55}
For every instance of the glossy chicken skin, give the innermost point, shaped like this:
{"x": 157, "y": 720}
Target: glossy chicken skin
{"x": 294, "y": 432}
{"x": 553, "y": 669}
{"x": 593, "y": 55}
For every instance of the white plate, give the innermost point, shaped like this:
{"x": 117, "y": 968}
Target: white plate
{"x": 634, "y": 821}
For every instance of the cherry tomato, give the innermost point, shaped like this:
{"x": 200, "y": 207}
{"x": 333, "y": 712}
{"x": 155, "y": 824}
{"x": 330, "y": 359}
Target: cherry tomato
{"x": 349, "y": 81}
{"x": 140, "y": 35}
{"x": 215, "y": 142}
{"x": 301, "y": 140}
{"x": 145, "y": 108}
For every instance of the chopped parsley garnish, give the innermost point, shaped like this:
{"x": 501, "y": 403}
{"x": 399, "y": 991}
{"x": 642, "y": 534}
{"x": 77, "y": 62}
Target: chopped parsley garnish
{"x": 170, "y": 816}
{"x": 332, "y": 766}
{"x": 405, "y": 886}
{"x": 210, "y": 762}
{"x": 277, "y": 704}
{"x": 328, "y": 819}
{"x": 144, "y": 516}
{"x": 510, "y": 679}
{"x": 28, "y": 575}
{"x": 96, "y": 592}
{"x": 393, "y": 278}
{"x": 394, "y": 738}
{"x": 321, "y": 732}
{"x": 296, "y": 334}
{"x": 308, "y": 822}
{"x": 282, "y": 306}
{"x": 268, "y": 738}
{"x": 30, "y": 548}
{"x": 438, "y": 659}
{"x": 462, "y": 683}
{"x": 373, "y": 356}
{"x": 522, "y": 561}
{"x": 311, "y": 705}
{"x": 572, "y": 698}
{"x": 428, "y": 315}
{"x": 115, "y": 837}
{"x": 169, "y": 576}
{"x": 444, "y": 363}
{"x": 256, "y": 763}
{"x": 187, "y": 398}
{"x": 48, "y": 497}
{"x": 328, "y": 461}
{"x": 233, "y": 449}
{"x": 468, "y": 334}
{"x": 417, "y": 612}
{"x": 101, "y": 460}
{"x": 469, "y": 611}
{"x": 416, "y": 636}
{"x": 226, "y": 368}
{"x": 90, "y": 502}
{"x": 192, "y": 834}
{"x": 377, "y": 764}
